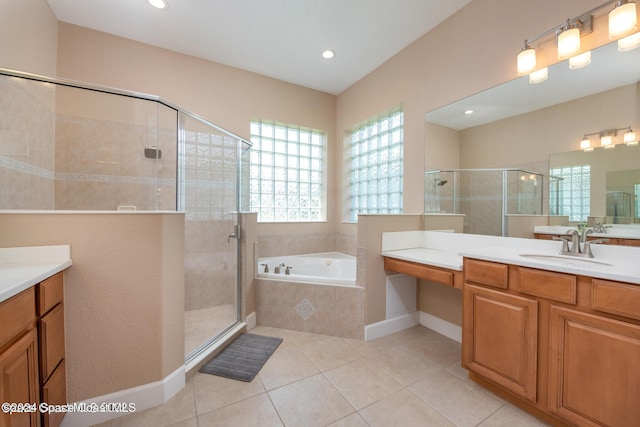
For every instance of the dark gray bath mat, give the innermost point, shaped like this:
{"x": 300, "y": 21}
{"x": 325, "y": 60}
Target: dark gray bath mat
{"x": 243, "y": 358}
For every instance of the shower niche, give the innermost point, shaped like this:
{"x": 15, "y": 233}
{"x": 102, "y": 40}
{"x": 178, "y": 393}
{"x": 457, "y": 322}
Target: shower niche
{"x": 484, "y": 196}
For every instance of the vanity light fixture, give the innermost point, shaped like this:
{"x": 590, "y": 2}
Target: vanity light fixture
{"x": 622, "y": 24}
{"x": 622, "y": 19}
{"x": 580, "y": 61}
{"x": 629, "y": 42}
{"x": 606, "y": 138}
{"x": 539, "y": 76}
{"x": 158, "y": 4}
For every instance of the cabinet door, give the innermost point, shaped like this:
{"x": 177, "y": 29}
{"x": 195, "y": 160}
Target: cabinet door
{"x": 500, "y": 339}
{"x": 594, "y": 376}
{"x": 19, "y": 380}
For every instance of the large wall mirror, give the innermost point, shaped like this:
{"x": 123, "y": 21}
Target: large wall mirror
{"x": 538, "y": 128}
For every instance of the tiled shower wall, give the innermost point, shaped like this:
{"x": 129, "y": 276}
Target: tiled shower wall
{"x": 27, "y": 144}
{"x": 101, "y": 164}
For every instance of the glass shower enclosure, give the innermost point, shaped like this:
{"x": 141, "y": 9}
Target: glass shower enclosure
{"x": 484, "y": 196}
{"x": 66, "y": 145}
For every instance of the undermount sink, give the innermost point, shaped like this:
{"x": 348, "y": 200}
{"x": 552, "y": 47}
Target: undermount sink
{"x": 567, "y": 260}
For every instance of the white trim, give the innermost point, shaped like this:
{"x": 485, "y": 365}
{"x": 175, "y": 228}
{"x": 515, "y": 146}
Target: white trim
{"x": 143, "y": 397}
{"x": 390, "y": 326}
{"x": 251, "y": 321}
{"x": 443, "y": 327}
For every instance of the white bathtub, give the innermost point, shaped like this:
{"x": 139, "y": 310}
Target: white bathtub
{"x": 327, "y": 268}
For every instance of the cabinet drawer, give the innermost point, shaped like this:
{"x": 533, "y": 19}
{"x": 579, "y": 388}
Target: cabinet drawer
{"x": 17, "y": 314}
{"x": 51, "y": 341}
{"x": 50, "y": 293}
{"x": 486, "y": 273}
{"x": 422, "y": 271}
{"x": 615, "y": 298}
{"x": 546, "y": 284}
{"x": 54, "y": 392}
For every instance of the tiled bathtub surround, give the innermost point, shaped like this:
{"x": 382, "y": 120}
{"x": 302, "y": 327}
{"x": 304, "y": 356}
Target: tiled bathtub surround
{"x": 321, "y": 309}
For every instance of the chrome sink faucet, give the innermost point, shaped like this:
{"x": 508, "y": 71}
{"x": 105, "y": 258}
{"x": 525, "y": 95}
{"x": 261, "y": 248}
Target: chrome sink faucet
{"x": 601, "y": 228}
{"x": 576, "y": 244}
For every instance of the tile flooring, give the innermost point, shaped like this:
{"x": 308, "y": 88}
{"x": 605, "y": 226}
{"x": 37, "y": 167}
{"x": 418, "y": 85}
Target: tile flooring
{"x": 411, "y": 378}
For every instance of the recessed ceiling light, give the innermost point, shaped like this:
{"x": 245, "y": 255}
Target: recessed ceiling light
{"x": 468, "y": 112}
{"x": 328, "y": 54}
{"x": 159, "y": 4}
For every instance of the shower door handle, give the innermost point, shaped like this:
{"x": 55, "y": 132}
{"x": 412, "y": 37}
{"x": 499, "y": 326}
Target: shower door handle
{"x": 235, "y": 234}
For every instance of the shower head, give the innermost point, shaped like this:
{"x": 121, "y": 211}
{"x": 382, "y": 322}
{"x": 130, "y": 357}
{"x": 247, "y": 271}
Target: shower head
{"x": 440, "y": 182}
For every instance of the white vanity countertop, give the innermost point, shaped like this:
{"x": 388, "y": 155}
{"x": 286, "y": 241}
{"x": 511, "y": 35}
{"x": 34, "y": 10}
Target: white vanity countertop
{"x": 23, "y": 267}
{"x": 434, "y": 257}
{"x": 615, "y": 232}
{"x": 612, "y": 262}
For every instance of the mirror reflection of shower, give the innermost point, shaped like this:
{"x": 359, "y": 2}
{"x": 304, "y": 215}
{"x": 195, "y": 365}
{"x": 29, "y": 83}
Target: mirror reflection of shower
{"x": 484, "y": 196}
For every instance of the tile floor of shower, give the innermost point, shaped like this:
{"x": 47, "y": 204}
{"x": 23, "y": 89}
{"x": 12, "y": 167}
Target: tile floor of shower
{"x": 202, "y": 324}
{"x": 410, "y": 378}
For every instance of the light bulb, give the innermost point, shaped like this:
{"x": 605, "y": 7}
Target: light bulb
{"x": 630, "y": 138}
{"x": 629, "y": 42}
{"x": 580, "y": 61}
{"x": 526, "y": 61}
{"x": 606, "y": 141}
{"x": 585, "y": 144}
{"x": 622, "y": 20}
{"x": 568, "y": 43}
{"x": 539, "y": 76}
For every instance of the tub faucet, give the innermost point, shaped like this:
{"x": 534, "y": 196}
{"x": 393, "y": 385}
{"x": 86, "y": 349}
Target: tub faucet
{"x": 266, "y": 267}
{"x": 287, "y": 271}
{"x": 277, "y": 269}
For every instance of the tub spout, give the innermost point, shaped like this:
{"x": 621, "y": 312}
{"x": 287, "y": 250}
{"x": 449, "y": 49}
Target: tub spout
{"x": 277, "y": 269}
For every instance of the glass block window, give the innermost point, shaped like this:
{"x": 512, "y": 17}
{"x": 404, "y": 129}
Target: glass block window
{"x": 374, "y": 158}
{"x": 574, "y": 192}
{"x": 287, "y": 173}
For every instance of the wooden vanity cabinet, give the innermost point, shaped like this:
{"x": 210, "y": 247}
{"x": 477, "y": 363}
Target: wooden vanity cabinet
{"x": 32, "y": 353}
{"x": 594, "y": 374}
{"x": 500, "y": 339}
{"x": 19, "y": 357}
{"x": 564, "y": 347}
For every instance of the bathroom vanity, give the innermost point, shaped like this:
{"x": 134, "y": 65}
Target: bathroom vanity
{"x": 557, "y": 343}
{"x": 32, "y": 353}
{"x": 556, "y": 335}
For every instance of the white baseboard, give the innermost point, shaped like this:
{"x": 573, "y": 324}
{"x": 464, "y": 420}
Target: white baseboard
{"x": 143, "y": 397}
{"x": 251, "y": 321}
{"x": 390, "y": 326}
{"x": 443, "y": 327}
{"x": 397, "y": 324}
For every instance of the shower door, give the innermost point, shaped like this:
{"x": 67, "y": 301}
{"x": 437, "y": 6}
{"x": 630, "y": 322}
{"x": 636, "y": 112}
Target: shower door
{"x": 209, "y": 196}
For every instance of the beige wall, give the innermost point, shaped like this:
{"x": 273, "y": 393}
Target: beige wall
{"x": 33, "y": 51}
{"x": 124, "y": 296}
